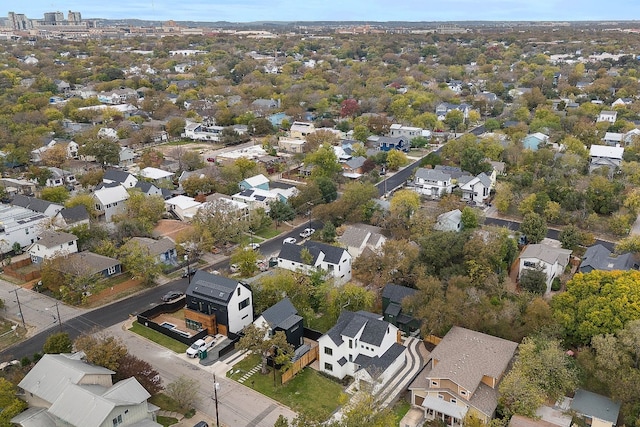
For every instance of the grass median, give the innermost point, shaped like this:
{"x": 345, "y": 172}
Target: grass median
{"x": 158, "y": 338}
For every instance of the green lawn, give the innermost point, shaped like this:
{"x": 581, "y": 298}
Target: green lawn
{"x": 322, "y": 323}
{"x": 309, "y": 392}
{"x": 159, "y": 338}
{"x": 166, "y": 421}
{"x": 165, "y": 403}
{"x": 268, "y": 233}
{"x": 400, "y": 409}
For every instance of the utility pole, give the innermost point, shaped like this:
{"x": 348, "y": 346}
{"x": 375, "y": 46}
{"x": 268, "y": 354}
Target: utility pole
{"x": 215, "y": 398}
{"x": 59, "y": 320}
{"x": 24, "y": 325}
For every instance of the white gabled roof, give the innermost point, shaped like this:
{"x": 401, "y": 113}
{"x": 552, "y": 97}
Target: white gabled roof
{"x": 182, "y": 202}
{"x": 606, "y": 151}
{"x": 109, "y": 195}
{"x": 256, "y": 180}
{"x": 155, "y": 173}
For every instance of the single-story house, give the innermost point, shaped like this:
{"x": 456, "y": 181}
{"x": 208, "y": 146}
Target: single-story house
{"x": 449, "y": 221}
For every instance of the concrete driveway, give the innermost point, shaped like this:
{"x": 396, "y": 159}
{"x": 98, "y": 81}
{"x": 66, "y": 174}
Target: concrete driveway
{"x": 239, "y": 406}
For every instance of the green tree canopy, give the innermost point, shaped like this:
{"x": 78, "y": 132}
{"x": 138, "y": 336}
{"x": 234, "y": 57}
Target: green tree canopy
{"x": 534, "y": 227}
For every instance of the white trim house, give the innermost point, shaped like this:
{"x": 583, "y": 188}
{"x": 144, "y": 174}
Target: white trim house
{"x": 110, "y": 201}
{"x": 363, "y": 346}
{"x": 335, "y": 261}
{"x": 551, "y": 260}
{"x": 51, "y": 244}
{"x": 431, "y": 182}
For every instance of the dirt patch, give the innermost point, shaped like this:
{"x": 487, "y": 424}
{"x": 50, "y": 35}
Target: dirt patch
{"x": 114, "y": 292}
{"x": 170, "y": 228}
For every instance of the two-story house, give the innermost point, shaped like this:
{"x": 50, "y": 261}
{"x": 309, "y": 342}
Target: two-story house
{"x": 444, "y": 107}
{"x": 388, "y": 143}
{"x": 110, "y": 201}
{"x": 312, "y": 256}
{"x": 34, "y": 204}
{"x": 19, "y": 225}
{"x": 217, "y": 304}
{"x": 461, "y": 376}
{"x": 551, "y": 260}
{"x": 257, "y": 181}
{"x": 126, "y": 179}
{"x": 409, "y": 132}
{"x": 605, "y": 156}
{"x": 607, "y": 116}
{"x": 363, "y": 346}
{"x": 301, "y": 129}
{"x": 61, "y": 390}
{"x": 597, "y": 257}
{"x": 284, "y": 317}
{"x": 433, "y": 183}
{"x": 475, "y": 189}
{"x": 51, "y": 244}
{"x": 392, "y": 298}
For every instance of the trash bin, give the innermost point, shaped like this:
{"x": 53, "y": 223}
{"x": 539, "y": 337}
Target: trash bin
{"x": 202, "y": 354}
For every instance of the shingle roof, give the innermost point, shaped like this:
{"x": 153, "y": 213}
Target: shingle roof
{"x": 465, "y": 356}
{"x": 109, "y": 195}
{"x": 377, "y": 365}
{"x": 350, "y": 323}
{"x": 547, "y": 253}
{"x": 397, "y": 293}
{"x": 432, "y": 175}
{"x": 33, "y": 203}
{"x": 598, "y": 257}
{"x": 116, "y": 175}
{"x": 211, "y": 287}
{"x": 282, "y": 314}
{"x": 292, "y": 252}
{"x": 50, "y": 238}
{"x": 87, "y": 263}
{"x": 74, "y": 214}
{"x": 595, "y": 405}
{"x": 156, "y": 247}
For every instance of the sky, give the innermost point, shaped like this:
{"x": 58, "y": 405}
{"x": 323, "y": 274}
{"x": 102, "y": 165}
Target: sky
{"x": 337, "y": 10}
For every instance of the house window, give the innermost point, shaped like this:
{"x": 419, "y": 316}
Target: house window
{"x": 328, "y": 367}
{"x": 350, "y": 343}
{"x": 453, "y": 400}
{"x": 328, "y": 351}
{"x": 111, "y": 270}
{"x": 117, "y": 420}
{"x": 70, "y": 243}
{"x": 463, "y": 392}
{"x": 192, "y": 324}
{"x": 434, "y": 383}
{"x": 440, "y": 396}
{"x": 530, "y": 264}
{"x": 238, "y": 290}
{"x": 243, "y": 304}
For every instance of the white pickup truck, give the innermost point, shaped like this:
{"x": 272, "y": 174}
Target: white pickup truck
{"x": 200, "y": 345}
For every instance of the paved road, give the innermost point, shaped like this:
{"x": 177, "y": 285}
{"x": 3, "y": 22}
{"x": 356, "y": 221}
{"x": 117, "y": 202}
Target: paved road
{"x": 551, "y": 233}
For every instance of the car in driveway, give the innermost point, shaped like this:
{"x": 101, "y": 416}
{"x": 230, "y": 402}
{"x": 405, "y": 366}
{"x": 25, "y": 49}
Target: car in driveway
{"x": 290, "y": 240}
{"x": 201, "y": 424}
{"x": 171, "y": 295}
{"x": 307, "y": 232}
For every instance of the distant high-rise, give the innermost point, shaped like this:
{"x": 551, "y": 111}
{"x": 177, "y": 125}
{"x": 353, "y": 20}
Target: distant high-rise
{"x": 74, "y": 17}
{"x": 19, "y": 21}
{"x": 53, "y": 18}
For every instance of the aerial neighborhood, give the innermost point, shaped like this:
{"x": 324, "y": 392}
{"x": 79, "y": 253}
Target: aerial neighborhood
{"x": 329, "y": 224}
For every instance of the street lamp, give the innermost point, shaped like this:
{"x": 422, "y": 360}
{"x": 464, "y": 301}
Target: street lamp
{"x": 216, "y": 385}
{"x": 186, "y": 258}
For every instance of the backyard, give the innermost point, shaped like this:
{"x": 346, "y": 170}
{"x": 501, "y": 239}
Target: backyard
{"x": 158, "y": 338}
{"x": 308, "y": 392}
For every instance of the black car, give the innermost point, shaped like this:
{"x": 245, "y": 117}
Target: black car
{"x": 171, "y": 295}
{"x": 201, "y": 424}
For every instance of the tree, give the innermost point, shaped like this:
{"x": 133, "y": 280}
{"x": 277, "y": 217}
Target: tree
{"x": 404, "y": 204}
{"x": 519, "y": 396}
{"x": 327, "y": 188}
{"x": 138, "y": 261}
{"x": 105, "y": 151}
{"x": 473, "y": 161}
{"x": 281, "y": 211}
{"x": 628, "y": 244}
{"x": 454, "y": 120}
{"x": 216, "y": 224}
{"x": 195, "y": 185}
{"x": 151, "y": 158}
{"x": 570, "y": 237}
{"x": 533, "y": 280}
{"x": 184, "y": 391}
{"x": 147, "y": 376}
{"x": 57, "y": 343}
{"x": 9, "y": 402}
{"x": 142, "y": 210}
{"x": 246, "y": 259}
{"x": 55, "y": 156}
{"x": 396, "y": 159}
{"x": 55, "y": 194}
{"x": 328, "y": 233}
{"x": 349, "y": 108}
{"x": 361, "y": 133}
{"x": 469, "y": 218}
{"x": 324, "y": 162}
{"x": 41, "y": 175}
{"x": 191, "y": 161}
{"x": 349, "y": 297}
{"x": 229, "y": 136}
{"x": 319, "y": 138}
{"x": 600, "y": 302}
{"x": 91, "y": 178}
{"x": 504, "y": 197}
{"x": 102, "y": 350}
{"x": 175, "y": 126}
{"x": 258, "y": 341}
{"x": 365, "y": 411}
{"x": 534, "y": 227}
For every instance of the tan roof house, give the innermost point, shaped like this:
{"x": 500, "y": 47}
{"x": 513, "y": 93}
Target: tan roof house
{"x": 461, "y": 377}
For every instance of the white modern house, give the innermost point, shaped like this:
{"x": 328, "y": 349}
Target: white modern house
{"x": 126, "y": 179}
{"x": 363, "y": 346}
{"x": 475, "y": 189}
{"x": 110, "y": 201}
{"x": 433, "y": 183}
{"x": 183, "y": 207}
{"x": 155, "y": 175}
{"x": 408, "y": 132}
{"x": 607, "y": 116}
{"x": 551, "y": 260}
{"x": 19, "y": 225}
{"x": 51, "y": 244}
{"x": 63, "y": 390}
{"x": 335, "y": 261}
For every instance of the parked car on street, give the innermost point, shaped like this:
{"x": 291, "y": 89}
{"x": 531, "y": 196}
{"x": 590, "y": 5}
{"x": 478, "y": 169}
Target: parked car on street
{"x": 171, "y": 295}
{"x": 291, "y": 240}
{"x": 307, "y": 232}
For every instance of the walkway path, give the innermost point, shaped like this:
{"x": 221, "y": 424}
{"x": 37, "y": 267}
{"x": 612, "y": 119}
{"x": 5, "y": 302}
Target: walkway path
{"x": 249, "y": 374}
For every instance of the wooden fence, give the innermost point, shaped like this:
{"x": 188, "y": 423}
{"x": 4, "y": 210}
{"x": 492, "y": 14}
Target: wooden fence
{"x": 432, "y": 339}
{"x": 307, "y": 359}
{"x": 13, "y": 270}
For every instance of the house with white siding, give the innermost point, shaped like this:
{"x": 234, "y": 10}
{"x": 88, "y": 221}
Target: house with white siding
{"x": 51, "y": 244}
{"x": 335, "y": 261}
{"x": 110, "y": 201}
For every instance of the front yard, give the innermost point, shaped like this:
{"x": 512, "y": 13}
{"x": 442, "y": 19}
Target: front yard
{"x": 308, "y": 392}
{"x": 158, "y": 338}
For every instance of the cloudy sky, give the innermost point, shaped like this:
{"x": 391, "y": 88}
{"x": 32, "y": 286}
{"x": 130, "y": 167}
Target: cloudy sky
{"x": 338, "y": 10}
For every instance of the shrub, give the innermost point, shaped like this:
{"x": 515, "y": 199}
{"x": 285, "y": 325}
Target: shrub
{"x": 555, "y": 285}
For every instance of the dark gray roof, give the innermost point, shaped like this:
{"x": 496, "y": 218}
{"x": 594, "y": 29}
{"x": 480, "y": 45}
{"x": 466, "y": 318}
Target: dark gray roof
{"x": 342, "y": 361}
{"x": 393, "y": 309}
{"x": 596, "y": 406}
{"x": 116, "y": 175}
{"x": 282, "y": 314}
{"x": 87, "y": 263}
{"x": 454, "y": 171}
{"x": 356, "y": 162}
{"x": 107, "y": 185}
{"x": 377, "y": 365}
{"x": 144, "y": 186}
{"x": 397, "y": 293}
{"x": 211, "y": 287}
{"x": 74, "y": 214}
{"x": 33, "y": 203}
{"x": 291, "y": 252}
{"x": 350, "y": 323}
{"x": 598, "y": 257}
